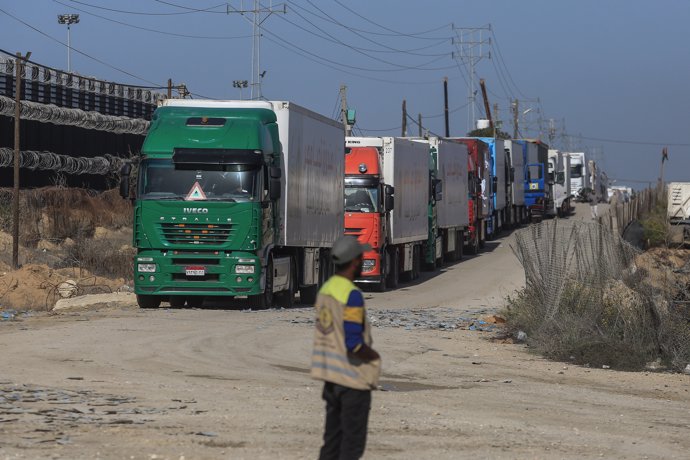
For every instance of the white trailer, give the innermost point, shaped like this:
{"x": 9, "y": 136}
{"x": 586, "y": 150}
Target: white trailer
{"x": 453, "y": 210}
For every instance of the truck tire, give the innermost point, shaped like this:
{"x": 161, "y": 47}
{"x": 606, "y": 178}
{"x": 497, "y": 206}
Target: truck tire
{"x": 416, "y": 262}
{"x": 459, "y": 238}
{"x": 148, "y": 301}
{"x": 265, "y": 300}
{"x": 177, "y": 301}
{"x": 287, "y": 298}
{"x": 393, "y": 276}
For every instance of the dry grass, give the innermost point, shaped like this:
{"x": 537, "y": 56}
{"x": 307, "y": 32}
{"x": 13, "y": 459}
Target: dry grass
{"x": 592, "y": 300}
{"x": 69, "y": 227}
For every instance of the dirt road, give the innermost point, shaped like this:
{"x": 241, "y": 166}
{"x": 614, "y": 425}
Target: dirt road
{"x": 124, "y": 383}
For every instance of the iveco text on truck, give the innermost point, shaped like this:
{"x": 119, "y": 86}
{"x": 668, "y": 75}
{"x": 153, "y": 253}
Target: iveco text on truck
{"x": 235, "y": 198}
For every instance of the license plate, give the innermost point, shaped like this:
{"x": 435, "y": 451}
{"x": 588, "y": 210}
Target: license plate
{"x": 195, "y": 271}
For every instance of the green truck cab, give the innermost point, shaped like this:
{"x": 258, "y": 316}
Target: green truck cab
{"x": 209, "y": 213}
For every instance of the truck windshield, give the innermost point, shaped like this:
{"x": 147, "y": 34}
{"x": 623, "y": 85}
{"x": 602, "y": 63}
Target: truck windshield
{"x": 576, "y": 171}
{"x": 160, "y": 180}
{"x": 361, "y": 199}
{"x": 534, "y": 172}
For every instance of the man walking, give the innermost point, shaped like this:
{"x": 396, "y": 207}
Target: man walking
{"x": 342, "y": 355}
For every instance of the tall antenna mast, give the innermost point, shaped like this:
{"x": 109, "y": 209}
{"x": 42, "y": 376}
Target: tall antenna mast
{"x": 471, "y": 47}
{"x": 259, "y": 16}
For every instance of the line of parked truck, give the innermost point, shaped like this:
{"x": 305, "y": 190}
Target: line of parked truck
{"x": 246, "y": 198}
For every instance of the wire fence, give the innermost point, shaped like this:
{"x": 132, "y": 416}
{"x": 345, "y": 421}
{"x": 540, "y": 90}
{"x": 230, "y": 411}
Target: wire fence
{"x": 48, "y": 113}
{"x": 591, "y": 297}
{"x": 35, "y": 160}
{"x": 621, "y": 213}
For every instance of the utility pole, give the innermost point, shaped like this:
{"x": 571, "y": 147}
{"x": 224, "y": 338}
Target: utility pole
{"x": 515, "y": 107}
{"x": 404, "y": 118}
{"x": 445, "y": 106}
{"x": 169, "y": 88}
{"x": 419, "y": 123}
{"x": 259, "y": 15}
{"x": 18, "y": 67}
{"x": 471, "y": 47}
{"x": 343, "y": 110}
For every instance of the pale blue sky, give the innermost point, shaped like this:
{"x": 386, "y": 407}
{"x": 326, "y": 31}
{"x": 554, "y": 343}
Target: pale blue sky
{"x": 613, "y": 69}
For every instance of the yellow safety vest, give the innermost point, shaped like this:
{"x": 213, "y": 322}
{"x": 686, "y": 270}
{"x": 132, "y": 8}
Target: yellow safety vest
{"x": 330, "y": 360}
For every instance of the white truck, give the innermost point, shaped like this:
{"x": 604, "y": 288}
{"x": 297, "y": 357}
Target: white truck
{"x": 560, "y": 187}
{"x": 579, "y": 179}
{"x": 400, "y": 232}
{"x": 452, "y": 212}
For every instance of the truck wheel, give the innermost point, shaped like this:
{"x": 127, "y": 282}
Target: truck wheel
{"x": 195, "y": 301}
{"x": 416, "y": 263}
{"x": 265, "y": 300}
{"x": 287, "y": 298}
{"x": 393, "y": 278}
{"x": 177, "y": 301}
{"x": 148, "y": 301}
{"x": 459, "y": 237}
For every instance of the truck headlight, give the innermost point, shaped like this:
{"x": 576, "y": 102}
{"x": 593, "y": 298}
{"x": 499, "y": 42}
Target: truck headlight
{"x": 146, "y": 268}
{"x": 368, "y": 265}
{"x": 244, "y": 269}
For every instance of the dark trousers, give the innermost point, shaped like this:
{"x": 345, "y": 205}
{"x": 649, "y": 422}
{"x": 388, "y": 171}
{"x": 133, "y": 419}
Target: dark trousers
{"x": 347, "y": 414}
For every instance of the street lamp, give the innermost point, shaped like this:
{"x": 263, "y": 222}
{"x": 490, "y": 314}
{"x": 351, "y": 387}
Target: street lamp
{"x": 68, "y": 19}
{"x": 240, "y": 84}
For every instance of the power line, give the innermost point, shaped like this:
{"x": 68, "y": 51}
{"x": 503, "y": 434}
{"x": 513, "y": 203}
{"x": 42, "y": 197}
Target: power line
{"x": 143, "y": 13}
{"x": 205, "y": 37}
{"x": 619, "y": 141}
{"x": 360, "y": 50}
{"x": 334, "y": 65}
{"x": 416, "y": 35}
{"x": 389, "y": 49}
{"x": 396, "y": 128}
{"x": 497, "y": 48}
{"x": 79, "y": 51}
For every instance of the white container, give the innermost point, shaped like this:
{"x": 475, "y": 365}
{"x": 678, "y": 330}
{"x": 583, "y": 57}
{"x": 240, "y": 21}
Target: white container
{"x": 678, "y": 201}
{"x": 452, "y": 210}
{"x": 517, "y": 160}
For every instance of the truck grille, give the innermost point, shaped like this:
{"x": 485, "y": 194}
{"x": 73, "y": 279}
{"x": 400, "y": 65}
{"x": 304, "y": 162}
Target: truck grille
{"x": 184, "y": 233}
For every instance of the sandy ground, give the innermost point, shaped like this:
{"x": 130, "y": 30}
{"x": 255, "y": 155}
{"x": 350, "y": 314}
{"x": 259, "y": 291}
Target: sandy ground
{"x": 124, "y": 383}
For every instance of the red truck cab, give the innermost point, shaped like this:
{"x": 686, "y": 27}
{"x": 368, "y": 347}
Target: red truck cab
{"x": 364, "y": 208}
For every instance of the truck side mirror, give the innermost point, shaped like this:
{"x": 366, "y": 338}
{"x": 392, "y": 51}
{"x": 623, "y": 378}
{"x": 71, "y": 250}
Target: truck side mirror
{"x": 512, "y": 174}
{"x": 274, "y": 185}
{"x": 125, "y": 172}
{"x": 438, "y": 189}
{"x": 389, "y": 199}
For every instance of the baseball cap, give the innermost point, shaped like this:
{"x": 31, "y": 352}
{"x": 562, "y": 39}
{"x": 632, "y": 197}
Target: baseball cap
{"x": 347, "y": 248}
